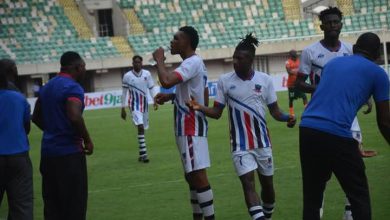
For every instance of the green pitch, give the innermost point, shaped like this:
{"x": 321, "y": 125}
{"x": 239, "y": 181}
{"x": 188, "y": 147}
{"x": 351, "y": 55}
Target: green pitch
{"x": 122, "y": 188}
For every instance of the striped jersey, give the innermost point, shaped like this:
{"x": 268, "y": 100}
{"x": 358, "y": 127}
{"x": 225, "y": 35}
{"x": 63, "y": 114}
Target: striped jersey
{"x": 247, "y": 101}
{"x": 137, "y": 84}
{"x": 315, "y": 56}
{"x": 193, "y": 75}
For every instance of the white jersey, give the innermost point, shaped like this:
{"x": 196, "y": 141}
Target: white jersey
{"x": 247, "y": 102}
{"x": 137, "y": 84}
{"x": 315, "y": 56}
{"x": 193, "y": 75}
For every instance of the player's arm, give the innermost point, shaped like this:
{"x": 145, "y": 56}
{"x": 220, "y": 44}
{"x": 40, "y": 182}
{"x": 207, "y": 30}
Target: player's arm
{"x": 212, "y": 112}
{"x": 383, "y": 119}
{"x": 27, "y": 123}
{"x": 153, "y": 94}
{"x": 302, "y": 85}
{"x": 161, "y": 98}
{"x": 278, "y": 115}
{"x": 124, "y": 96}
{"x": 37, "y": 115}
{"x": 167, "y": 80}
{"x": 206, "y": 97}
{"x": 290, "y": 70}
{"x": 74, "y": 113}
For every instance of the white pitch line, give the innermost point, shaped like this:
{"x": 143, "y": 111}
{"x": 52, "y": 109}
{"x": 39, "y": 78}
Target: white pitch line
{"x": 164, "y": 182}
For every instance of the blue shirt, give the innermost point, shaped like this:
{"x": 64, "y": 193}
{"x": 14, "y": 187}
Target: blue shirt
{"x": 346, "y": 84}
{"x": 14, "y": 113}
{"x": 59, "y": 137}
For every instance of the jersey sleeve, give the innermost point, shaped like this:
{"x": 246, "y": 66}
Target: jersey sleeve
{"x": 187, "y": 70}
{"x": 74, "y": 92}
{"x": 220, "y": 98}
{"x": 124, "y": 82}
{"x": 381, "y": 87}
{"x": 270, "y": 94}
{"x": 150, "y": 81}
{"x": 305, "y": 63}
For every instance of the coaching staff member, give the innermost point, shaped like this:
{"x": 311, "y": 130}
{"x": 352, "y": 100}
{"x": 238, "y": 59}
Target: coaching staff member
{"x": 65, "y": 141}
{"x": 326, "y": 142}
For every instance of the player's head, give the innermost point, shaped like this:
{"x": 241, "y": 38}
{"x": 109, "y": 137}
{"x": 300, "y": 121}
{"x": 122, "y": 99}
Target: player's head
{"x": 10, "y": 69}
{"x": 244, "y": 54}
{"x": 3, "y": 77}
{"x": 72, "y": 63}
{"x": 186, "y": 38}
{"x": 293, "y": 54}
{"x": 368, "y": 45}
{"x": 137, "y": 63}
{"x": 331, "y": 22}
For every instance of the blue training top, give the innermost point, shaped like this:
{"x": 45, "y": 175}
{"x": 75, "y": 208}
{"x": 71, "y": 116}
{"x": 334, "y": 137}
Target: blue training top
{"x": 14, "y": 113}
{"x": 346, "y": 84}
{"x": 59, "y": 137}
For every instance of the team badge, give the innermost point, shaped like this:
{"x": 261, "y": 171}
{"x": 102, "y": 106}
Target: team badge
{"x": 257, "y": 88}
{"x": 145, "y": 78}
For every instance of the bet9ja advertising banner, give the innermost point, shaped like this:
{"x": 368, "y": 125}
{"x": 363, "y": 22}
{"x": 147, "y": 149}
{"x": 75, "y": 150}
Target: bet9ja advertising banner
{"x": 112, "y": 99}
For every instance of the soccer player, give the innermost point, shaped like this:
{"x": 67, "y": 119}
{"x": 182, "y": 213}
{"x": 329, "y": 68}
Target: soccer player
{"x": 190, "y": 79}
{"x": 15, "y": 164}
{"x": 247, "y": 93}
{"x": 137, "y": 82}
{"x": 65, "y": 142}
{"x": 326, "y": 142}
{"x": 315, "y": 56}
{"x": 292, "y": 65}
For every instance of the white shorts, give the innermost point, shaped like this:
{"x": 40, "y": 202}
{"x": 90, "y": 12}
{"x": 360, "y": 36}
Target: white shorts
{"x": 259, "y": 159}
{"x": 356, "y": 132}
{"x": 140, "y": 118}
{"x": 194, "y": 152}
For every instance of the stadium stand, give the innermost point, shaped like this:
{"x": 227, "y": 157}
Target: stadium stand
{"x": 38, "y": 31}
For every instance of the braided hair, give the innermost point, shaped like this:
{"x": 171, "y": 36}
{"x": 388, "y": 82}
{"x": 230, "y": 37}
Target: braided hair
{"x": 248, "y": 43}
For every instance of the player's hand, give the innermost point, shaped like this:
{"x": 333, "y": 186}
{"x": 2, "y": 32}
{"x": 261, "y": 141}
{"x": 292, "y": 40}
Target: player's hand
{"x": 123, "y": 114}
{"x": 158, "y": 55}
{"x": 160, "y": 98}
{"x": 155, "y": 106}
{"x": 88, "y": 147}
{"x": 291, "y": 121}
{"x": 369, "y": 107}
{"x": 193, "y": 104}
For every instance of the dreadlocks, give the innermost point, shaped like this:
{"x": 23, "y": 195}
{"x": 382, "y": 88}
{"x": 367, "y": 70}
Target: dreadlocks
{"x": 248, "y": 43}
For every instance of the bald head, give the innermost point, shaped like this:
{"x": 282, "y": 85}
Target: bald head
{"x": 368, "y": 44}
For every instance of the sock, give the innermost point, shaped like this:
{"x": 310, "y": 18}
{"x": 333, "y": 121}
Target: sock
{"x": 291, "y": 110}
{"x": 205, "y": 198}
{"x": 196, "y": 210}
{"x": 347, "y": 205}
{"x": 268, "y": 209}
{"x": 142, "y": 145}
{"x": 256, "y": 212}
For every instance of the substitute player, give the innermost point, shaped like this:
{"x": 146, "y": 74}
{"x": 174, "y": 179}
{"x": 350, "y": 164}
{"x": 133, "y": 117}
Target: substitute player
{"x": 190, "y": 79}
{"x": 247, "y": 93}
{"x": 292, "y": 65}
{"x": 137, "y": 83}
{"x": 316, "y": 56}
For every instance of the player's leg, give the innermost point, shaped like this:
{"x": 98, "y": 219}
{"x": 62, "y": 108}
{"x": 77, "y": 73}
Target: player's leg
{"x": 245, "y": 164}
{"x": 195, "y": 159}
{"x": 315, "y": 170}
{"x": 266, "y": 172}
{"x": 349, "y": 169}
{"x": 51, "y": 200}
{"x": 20, "y": 187}
{"x": 138, "y": 119}
{"x": 304, "y": 98}
{"x": 291, "y": 101}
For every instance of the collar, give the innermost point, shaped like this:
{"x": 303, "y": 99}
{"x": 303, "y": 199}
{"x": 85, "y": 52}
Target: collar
{"x": 336, "y": 49}
{"x": 247, "y": 78}
{"x": 66, "y": 75}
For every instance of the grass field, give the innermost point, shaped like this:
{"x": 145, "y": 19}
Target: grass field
{"x": 122, "y": 188}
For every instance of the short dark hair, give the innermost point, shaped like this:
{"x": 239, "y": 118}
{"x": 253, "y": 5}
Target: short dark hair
{"x": 6, "y": 64}
{"x": 192, "y": 34}
{"x": 330, "y": 11}
{"x": 368, "y": 44}
{"x": 248, "y": 43}
{"x": 137, "y": 57}
{"x": 69, "y": 58}
{"x": 3, "y": 77}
